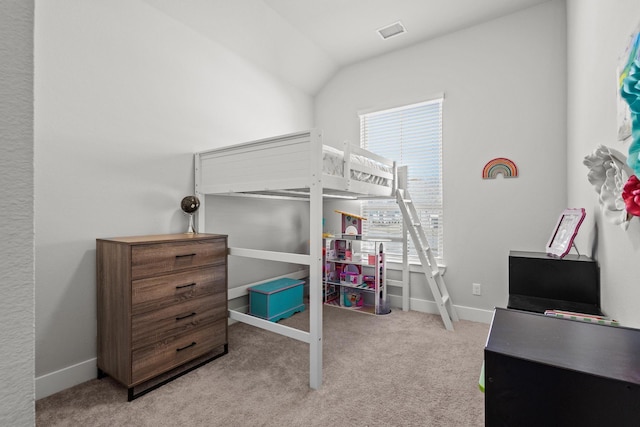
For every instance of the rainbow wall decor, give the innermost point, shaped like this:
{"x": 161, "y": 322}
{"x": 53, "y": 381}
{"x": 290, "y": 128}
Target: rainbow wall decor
{"x": 500, "y": 165}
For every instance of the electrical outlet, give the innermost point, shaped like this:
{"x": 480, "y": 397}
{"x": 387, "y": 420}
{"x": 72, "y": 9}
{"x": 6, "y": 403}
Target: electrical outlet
{"x": 477, "y": 289}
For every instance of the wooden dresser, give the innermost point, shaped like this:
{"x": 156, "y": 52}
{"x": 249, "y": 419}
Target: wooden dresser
{"x": 161, "y": 305}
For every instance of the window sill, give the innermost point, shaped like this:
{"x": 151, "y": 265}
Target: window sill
{"x": 413, "y": 267}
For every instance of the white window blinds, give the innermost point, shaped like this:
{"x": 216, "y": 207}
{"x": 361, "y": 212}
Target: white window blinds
{"x": 412, "y": 136}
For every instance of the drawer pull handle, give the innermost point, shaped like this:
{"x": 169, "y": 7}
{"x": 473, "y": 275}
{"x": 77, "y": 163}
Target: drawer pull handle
{"x": 185, "y": 316}
{"x": 184, "y": 256}
{"x": 186, "y": 346}
{"x": 186, "y": 286}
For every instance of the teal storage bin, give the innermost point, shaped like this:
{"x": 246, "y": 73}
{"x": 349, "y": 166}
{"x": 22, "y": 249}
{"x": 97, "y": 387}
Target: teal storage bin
{"x": 276, "y": 300}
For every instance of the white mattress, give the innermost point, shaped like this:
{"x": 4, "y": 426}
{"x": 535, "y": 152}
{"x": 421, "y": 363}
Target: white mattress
{"x": 333, "y": 164}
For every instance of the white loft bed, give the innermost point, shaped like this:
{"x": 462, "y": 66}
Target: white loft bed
{"x": 294, "y": 166}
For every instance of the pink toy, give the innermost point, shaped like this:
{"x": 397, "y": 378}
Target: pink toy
{"x": 351, "y": 224}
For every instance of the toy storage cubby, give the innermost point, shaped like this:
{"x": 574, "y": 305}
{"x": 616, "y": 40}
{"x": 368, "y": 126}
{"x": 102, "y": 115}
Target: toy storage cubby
{"x": 353, "y": 279}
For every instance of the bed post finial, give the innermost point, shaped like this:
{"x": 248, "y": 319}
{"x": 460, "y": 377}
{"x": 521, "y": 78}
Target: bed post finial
{"x": 402, "y": 178}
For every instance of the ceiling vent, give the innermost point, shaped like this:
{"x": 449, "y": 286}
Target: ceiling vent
{"x": 392, "y": 30}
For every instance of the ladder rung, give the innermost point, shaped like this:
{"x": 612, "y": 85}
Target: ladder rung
{"x": 416, "y": 224}
{"x": 435, "y": 273}
{"x": 445, "y": 298}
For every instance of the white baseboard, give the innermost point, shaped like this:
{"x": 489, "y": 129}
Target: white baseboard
{"x": 64, "y": 378}
{"x": 424, "y": 306}
{"x": 464, "y": 313}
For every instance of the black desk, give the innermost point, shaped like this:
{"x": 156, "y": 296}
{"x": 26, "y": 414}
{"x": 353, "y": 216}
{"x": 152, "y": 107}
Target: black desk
{"x": 538, "y": 282}
{"x": 542, "y": 370}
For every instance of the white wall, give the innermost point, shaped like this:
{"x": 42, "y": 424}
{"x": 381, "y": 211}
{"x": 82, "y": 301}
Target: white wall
{"x": 124, "y": 95}
{"x": 16, "y": 228}
{"x": 505, "y": 89}
{"x": 275, "y": 225}
{"x": 597, "y": 33}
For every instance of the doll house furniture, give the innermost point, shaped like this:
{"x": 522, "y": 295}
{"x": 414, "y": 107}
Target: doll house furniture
{"x": 351, "y": 279}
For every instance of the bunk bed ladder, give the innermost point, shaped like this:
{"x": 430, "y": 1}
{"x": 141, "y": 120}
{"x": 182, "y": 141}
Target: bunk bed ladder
{"x": 427, "y": 259}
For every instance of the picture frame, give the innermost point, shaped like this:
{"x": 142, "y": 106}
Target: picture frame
{"x": 565, "y": 232}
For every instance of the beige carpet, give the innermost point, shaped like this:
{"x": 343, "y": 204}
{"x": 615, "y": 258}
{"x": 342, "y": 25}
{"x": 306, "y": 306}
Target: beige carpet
{"x": 401, "y": 369}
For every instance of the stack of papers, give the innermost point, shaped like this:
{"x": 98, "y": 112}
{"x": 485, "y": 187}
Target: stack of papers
{"x": 602, "y": 320}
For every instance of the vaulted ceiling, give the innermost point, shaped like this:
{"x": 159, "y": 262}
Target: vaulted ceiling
{"x": 305, "y": 42}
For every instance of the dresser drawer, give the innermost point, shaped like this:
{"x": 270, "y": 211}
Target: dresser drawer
{"x": 176, "y": 319}
{"x": 157, "y": 292}
{"x": 157, "y": 358}
{"x": 161, "y": 258}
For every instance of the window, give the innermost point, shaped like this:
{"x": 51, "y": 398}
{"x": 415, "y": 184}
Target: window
{"x": 411, "y": 135}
